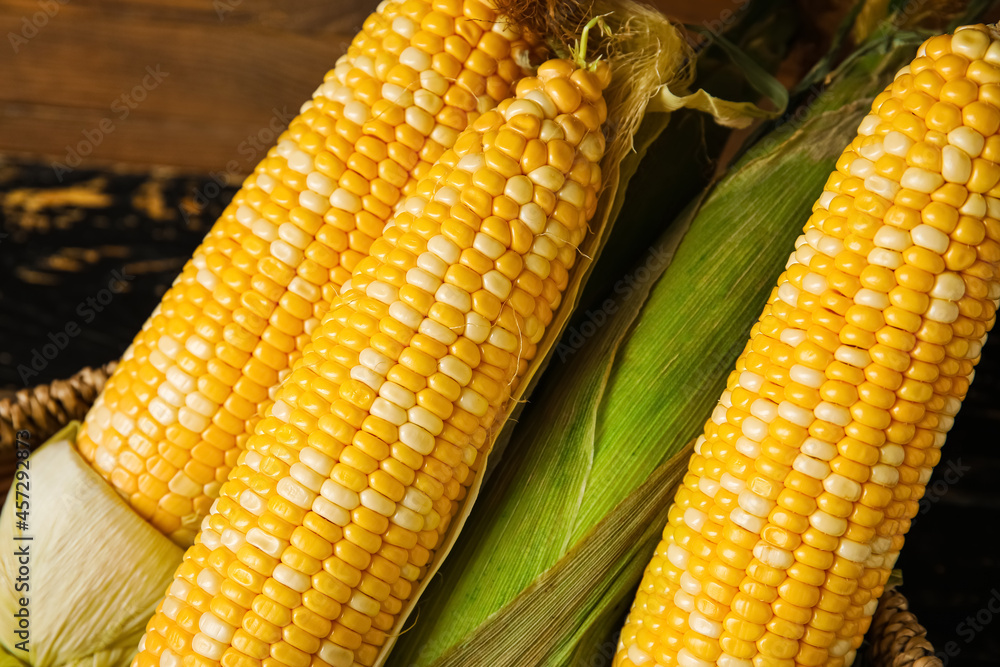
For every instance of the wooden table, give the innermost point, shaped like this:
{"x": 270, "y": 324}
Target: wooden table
{"x": 196, "y": 84}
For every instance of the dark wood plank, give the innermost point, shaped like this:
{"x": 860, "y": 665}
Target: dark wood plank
{"x": 219, "y": 80}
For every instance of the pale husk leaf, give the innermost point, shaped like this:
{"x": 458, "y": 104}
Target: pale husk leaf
{"x": 85, "y": 538}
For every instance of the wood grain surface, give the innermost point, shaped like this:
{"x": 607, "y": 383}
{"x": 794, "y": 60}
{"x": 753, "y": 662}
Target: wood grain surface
{"x": 76, "y": 88}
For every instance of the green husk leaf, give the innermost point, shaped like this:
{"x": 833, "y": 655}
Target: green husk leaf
{"x": 627, "y": 399}
{"x": 557, "y": 597}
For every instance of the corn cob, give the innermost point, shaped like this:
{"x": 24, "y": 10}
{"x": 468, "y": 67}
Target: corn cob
{"x": 167, "y": 428}
{"x": 803, "y": 484}
{"x": 329, "y": 521}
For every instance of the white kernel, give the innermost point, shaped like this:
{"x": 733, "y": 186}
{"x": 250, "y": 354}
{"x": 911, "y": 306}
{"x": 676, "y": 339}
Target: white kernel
{"x": 993, "y": 54}
{"x": 532, "y": 215}
{"x": 882, "y": 186}
{"x": 694, "y": 518}
{"x": 444, "y": 135}
{"x": 754, "y": 428}
{"x": 708, "y": 486}
{"x": 416, "y": 438}
{"x": 788, "y": 293}
{"x": 834, "y": 526}
{"x": 489, "y": 246}
{"x": 948, "y": 285}
{"x": 764, "y": 410}
{"x": 862, "y": 168}
{"x": 921, "y": 180}
{"x": 287, "y": 576}
{"x": 810, "y": 466}
{"x": 520, "y": 106}
{"x": 471, "y": 162}
{"x": 892, "y": 238}
{"x": 806, "y": 376}
{"x": 331, "y": 511}
{"x": 842, "y": 487}
{"x": 748, "y": 447}
{"x": 404, "y": 26}
{"x": 405, "y": 314}
{"x": 753, "y": 504}
{"x": 747, "y": 521}
{"x": 871, "y": 298}
{"x": 345, "y": 201}
{"x": 731, "y": 483}
{"x": 942, "y": 311}
{"x": 751, "y": 381}
{"x": 852, "y": 356}
{"x": 340, "y": 495}
{"x": 415, "y": 59}
{"x": 872, "y": 152}
{"x": 294, "y": 492}
{"x": 704, "y": 626}
{"x": 428, "y": 101}
{"x": 206, "y": 647}
{"x": 835, "y": 414}
{"x": 967, "y": 139}
{"x": 377, "y": 503}
{"x": 477, "y": 327}
{"x": 306, "y": 476}
{"x": 956, "y": 166}
{"x": 869, "y": 124}
{"x": 891, "y": 454}
{"x": 970, "y": 43}
{"x": 684, "y": 601}
{"x": 687, "y": 659}
{"x": 814, "y": 283}
{"x": 434, "y": 82}
{"x": 781, "y": 559}
{"x": 896, "y": 143}
{"x": 430, "y": 422}
{"x": 357, "y": 112}
{"x": 544, "y": 102}
{"x": 791, "y": 336}
{"x": 267, "y": 543}
{"x": 819, "y": 449}
{"x": 550, "y": 130}
{"x": 678, "y": 556}
{"x": 690, "y": 584}
{"x": 890, "y": 259}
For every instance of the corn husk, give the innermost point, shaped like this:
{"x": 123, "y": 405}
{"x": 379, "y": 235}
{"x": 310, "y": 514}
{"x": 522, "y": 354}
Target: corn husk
{"x": 616, "y": 415}
{"x": 84, "y": 537}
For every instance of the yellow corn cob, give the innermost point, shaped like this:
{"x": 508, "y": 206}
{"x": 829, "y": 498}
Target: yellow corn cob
{"x": 325, "y": 527}
{"x": 801, "y": 489}
{"x": 165, "y": 431}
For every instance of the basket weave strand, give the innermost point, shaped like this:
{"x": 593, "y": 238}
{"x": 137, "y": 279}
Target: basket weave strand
{"x": 45, "y": 409}
{"x": 896, "y": 637}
